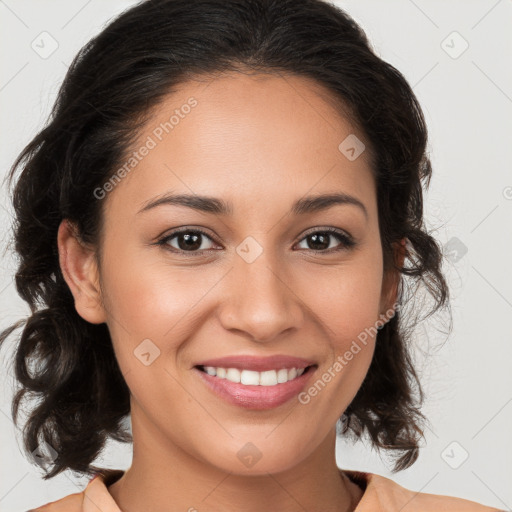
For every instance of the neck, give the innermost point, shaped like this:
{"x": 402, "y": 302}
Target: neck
{"x": 172, "y": 480}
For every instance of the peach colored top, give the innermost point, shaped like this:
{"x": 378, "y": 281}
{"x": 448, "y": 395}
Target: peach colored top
{"x": 380, "y": 495}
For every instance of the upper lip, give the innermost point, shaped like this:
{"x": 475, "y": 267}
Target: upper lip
{"x": 259, "y": 364}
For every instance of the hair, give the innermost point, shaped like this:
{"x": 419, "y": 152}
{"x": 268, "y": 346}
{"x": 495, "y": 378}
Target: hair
{"x": 113, "y": 84}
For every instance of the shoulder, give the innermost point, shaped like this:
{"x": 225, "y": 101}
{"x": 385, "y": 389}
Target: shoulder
{"x": 384, "y": 495}
{"x": 389, "y": 491}
{"x": 95, "y": 496}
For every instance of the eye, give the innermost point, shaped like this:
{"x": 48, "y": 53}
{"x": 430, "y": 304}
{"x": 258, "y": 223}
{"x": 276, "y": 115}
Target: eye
{"x": 188, "y": 240}
{"x": 320, "y": 240}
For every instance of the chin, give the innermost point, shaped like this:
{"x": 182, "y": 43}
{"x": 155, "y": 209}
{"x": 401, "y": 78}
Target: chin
{"x": 256, "y": 458}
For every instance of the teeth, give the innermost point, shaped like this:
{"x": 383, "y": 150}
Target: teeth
{"x": 268, "y": 378}
{"x": 282, "y": 376}
{"x": 233, "y": 375}
{"x": 252, "y": 378}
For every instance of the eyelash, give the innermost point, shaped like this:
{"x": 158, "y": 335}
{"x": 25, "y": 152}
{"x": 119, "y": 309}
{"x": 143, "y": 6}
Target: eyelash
{"x": 347, "y": 242}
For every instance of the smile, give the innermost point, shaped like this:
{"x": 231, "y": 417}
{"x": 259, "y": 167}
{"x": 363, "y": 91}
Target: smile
{"x": 254, "y": 378}
{"x": 252, "y": 389}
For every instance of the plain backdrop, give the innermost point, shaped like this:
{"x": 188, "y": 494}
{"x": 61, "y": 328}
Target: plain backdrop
{"x": 456, "y": 55}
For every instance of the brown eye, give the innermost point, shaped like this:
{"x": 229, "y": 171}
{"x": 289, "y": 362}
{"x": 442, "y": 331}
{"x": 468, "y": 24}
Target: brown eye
{"x": 187, "y": 240}
{"x": 321, "y": 240}
{"x": 192, "y": 241}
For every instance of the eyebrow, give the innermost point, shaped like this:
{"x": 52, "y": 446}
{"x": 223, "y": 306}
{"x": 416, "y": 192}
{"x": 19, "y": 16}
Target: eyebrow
{"x": 207, "y": 204}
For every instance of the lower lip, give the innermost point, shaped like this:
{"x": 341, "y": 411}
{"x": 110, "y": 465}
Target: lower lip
{"x": 256, "y": 397}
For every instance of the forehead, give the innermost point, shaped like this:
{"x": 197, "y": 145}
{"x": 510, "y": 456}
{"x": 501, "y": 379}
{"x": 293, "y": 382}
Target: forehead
{"x": 239, "y": 136}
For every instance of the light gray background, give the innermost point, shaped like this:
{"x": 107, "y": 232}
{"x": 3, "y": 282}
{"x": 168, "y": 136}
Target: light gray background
{"x": 467, "y": 100}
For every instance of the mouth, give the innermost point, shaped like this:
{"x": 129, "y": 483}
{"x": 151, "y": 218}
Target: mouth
{"x": 252, "y": 389}
{"x": 255, "y": 378}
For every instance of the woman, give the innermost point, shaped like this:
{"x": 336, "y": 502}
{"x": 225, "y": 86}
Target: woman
{"x": 219, "y": 220}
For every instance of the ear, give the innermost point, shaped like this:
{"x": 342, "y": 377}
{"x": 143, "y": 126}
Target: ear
{"x": 391, "y": 280}
{"x": 80, "y": 271}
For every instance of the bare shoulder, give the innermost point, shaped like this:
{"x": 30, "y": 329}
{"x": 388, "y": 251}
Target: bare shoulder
{"x": 70, "y": 503}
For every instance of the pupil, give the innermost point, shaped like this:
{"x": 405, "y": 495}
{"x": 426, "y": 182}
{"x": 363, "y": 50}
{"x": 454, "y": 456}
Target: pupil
{"x": 324, "y": 243}
{"x": 191, "y": 241}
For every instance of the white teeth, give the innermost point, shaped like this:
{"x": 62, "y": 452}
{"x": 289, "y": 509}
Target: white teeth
{"x": 233, "y": 375}
{"x": 282, "y": 375}
{"x": 253, "y": 378}
{"x": 268, "y": 378}
{"x": 250, "y": 377}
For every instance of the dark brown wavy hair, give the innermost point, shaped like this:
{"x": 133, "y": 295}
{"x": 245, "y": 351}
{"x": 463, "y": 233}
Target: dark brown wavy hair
{"x": 114, "y": 83}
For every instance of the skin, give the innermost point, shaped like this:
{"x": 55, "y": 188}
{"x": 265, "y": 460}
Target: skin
{"x": 260, "y": 142}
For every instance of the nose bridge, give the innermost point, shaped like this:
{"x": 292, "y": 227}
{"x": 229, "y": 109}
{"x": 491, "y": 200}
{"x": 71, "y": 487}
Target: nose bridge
{"x": 259, "y": 270}
{"x": 260, "y": 301}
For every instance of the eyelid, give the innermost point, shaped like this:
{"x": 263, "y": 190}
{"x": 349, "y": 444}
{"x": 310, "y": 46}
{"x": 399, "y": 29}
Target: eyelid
{"x": 163, "y": 239}
{"x": 326, "y": 229}
{"x": 346, "y": 240}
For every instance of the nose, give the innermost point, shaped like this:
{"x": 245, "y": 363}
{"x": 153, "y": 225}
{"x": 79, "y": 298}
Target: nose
{"x": 260, "y": 300}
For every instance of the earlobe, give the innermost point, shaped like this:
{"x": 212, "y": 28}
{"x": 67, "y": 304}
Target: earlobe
{"x": 80, "y": 271}
{"x": 391, "y": 281}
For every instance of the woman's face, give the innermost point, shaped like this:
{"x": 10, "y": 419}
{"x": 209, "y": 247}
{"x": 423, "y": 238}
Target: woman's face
{"x": 264, "y": 280}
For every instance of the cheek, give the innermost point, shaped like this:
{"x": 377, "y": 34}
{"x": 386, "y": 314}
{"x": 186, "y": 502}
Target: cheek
{"x": 346, "y": 304}
{"x": 153, "y": 309}
{"x": 348, "y": 309}
{"x": 146, "y": 296}
{"x": 346, "y": 299}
